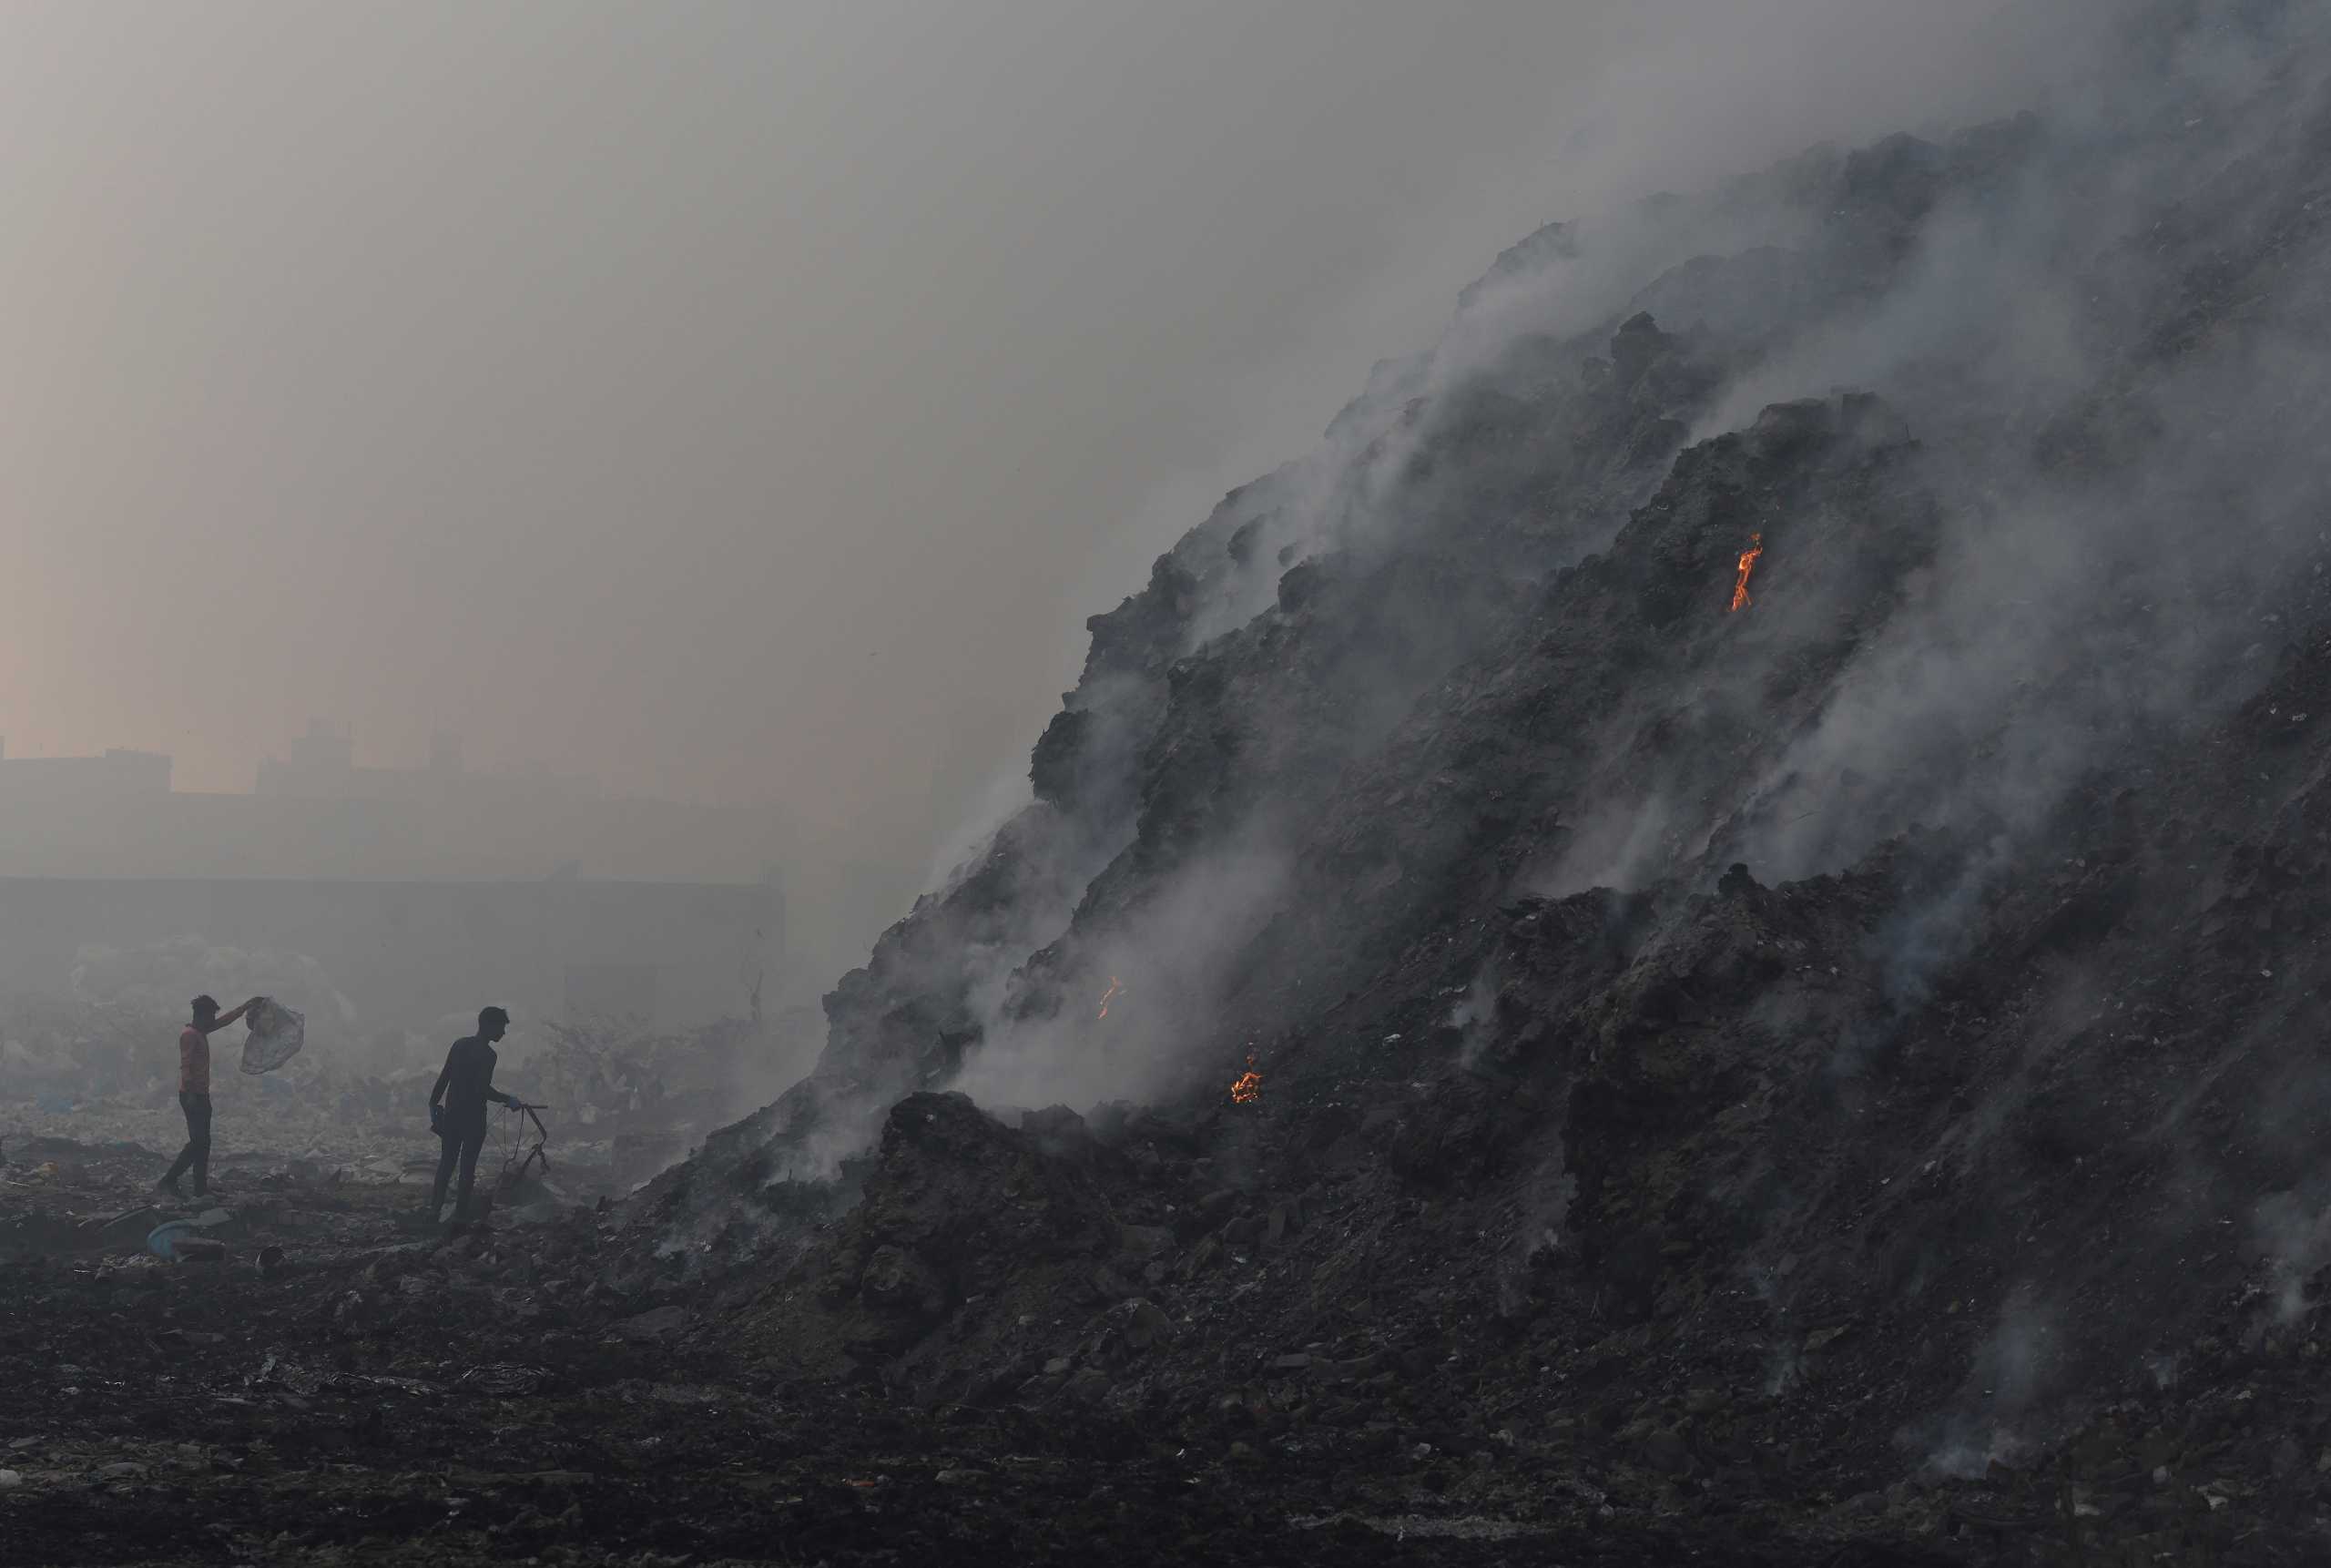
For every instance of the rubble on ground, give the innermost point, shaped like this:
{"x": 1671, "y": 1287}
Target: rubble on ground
{"x": 624, "y": 1104}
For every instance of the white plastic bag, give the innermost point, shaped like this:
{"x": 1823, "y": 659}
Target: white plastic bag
{"x": 276, "y": 1035}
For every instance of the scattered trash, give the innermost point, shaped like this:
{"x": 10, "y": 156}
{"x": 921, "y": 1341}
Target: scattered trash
{"x": 131, "y": 1220}
{"x": 174, "y": 1241}
{"x": 504, "y": 1379}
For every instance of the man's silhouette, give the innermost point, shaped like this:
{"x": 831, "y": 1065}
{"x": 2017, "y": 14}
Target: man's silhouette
{"x": 463, "y": 1089}
{"x": 193, "y": 1091}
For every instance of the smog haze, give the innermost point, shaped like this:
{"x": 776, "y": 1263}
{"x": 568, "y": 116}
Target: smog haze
{"x": 746, "y": 403}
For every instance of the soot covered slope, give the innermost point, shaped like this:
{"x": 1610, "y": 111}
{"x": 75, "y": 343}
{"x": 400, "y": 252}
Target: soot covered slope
{"x": 1847, "y": 1064}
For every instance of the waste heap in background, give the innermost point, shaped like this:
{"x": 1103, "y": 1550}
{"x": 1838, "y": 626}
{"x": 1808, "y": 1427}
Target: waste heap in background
{"x": 648, "y": 1094}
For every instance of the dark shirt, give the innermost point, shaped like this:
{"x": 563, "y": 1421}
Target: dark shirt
{"x": 467, "y": 1082}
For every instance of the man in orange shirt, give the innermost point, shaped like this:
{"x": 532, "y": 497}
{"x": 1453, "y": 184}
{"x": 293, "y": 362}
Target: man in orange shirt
{"x": 193, "y": 1091}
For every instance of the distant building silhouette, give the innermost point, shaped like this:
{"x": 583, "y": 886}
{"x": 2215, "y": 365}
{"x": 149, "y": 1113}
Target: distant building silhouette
{"x": 116, "y": 774}
{"x": 315, "y": 813}
{"x": 321, "y": 765}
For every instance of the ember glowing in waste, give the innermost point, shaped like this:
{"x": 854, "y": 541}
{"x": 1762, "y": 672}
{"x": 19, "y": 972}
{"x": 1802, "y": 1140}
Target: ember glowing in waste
{"x": 1748, "y": 564}
{"x": 1248, "y": 1087}
{"x": 1116, "y": 987}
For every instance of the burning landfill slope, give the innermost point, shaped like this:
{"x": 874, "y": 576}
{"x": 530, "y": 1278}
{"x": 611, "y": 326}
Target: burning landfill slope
{"x": 1753, "y": 845}
{"x": 1697, "y": 940}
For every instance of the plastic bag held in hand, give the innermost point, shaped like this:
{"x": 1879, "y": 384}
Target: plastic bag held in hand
{"x": 276, "y": 1035}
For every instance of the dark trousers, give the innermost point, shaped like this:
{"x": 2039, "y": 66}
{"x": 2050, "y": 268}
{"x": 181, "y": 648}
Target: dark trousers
{"x": 197, "y": 1152}
{"x": 463, "y": 1142}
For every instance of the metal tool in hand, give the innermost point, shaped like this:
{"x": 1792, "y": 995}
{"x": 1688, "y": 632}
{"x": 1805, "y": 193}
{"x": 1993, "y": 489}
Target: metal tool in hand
{"x": 514, "y": 1168}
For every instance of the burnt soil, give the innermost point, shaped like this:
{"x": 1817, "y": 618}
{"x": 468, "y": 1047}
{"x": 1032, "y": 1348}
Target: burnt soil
{"x": 383, "y": 1393}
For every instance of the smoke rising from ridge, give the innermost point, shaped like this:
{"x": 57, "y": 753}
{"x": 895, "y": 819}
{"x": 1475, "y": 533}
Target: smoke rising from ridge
{"x": 2006, "y": 303}
{"x": 743, "y": 404}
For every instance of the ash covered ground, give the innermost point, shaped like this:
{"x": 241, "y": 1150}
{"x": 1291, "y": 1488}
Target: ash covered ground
{"x": 1838, "y": 1079}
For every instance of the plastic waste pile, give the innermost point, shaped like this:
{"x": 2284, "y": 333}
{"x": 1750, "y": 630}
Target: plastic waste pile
{"x": 276, "y": 1035}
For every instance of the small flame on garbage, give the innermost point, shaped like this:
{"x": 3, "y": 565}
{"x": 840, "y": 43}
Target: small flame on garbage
{"x": 1248, "y": 1088}
{"x": 1748, "y": 564}
{"x": 1115, "y": 988}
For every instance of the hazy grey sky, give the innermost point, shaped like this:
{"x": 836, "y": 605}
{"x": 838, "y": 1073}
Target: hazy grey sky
{"x": 748, "y": 402}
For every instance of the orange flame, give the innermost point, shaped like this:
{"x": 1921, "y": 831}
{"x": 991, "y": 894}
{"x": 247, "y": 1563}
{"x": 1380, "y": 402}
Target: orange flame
{"x": 1248, "y": 1088}
{"x": 1115, "y": 988}
{"x": 1748, "y": 564}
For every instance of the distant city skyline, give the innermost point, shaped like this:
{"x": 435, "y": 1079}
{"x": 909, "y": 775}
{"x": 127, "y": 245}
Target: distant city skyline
{"x": 311, "y": 761}
{"x": 318, "y": 810}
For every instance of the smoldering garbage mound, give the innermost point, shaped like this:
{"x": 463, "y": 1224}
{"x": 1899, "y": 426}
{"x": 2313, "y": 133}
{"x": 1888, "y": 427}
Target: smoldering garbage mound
{"x": 958, "y": 1208}
{"x": 1837, "y": 1073}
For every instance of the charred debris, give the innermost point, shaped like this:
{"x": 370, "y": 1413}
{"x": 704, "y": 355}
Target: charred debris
{"x": 1770, "y": 945}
